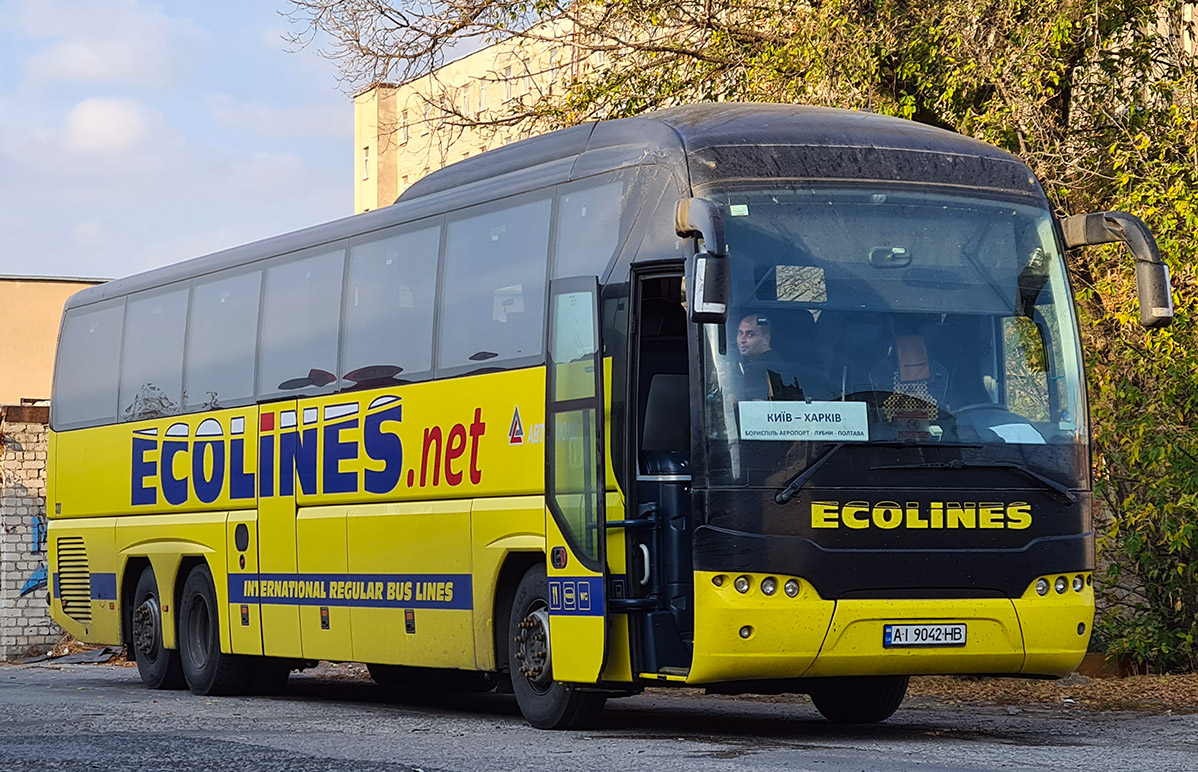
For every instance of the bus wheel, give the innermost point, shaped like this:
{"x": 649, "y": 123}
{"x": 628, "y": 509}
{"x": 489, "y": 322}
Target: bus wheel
{"x": 865, "y": 700}
{"x": 208, "y": 670}
{"x": 157, "y": 665}
{"x": 545, "y": 703}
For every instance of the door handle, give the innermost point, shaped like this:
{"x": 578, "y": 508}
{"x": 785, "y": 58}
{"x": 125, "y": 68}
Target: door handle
{"x": 645, "y": 555}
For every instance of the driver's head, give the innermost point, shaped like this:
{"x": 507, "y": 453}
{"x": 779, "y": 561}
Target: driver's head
{"x": 753, "y": 335}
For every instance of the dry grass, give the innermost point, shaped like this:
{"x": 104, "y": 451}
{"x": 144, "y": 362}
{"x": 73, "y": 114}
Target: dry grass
{"x": 1149, "y": 693}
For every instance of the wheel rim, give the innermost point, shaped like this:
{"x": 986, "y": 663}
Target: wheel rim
{"x": 198, "y": 629}
{"x": 147, "y": 622}
{"x": 532, "y": 649}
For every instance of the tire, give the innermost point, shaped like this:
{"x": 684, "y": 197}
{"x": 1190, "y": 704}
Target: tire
{"x": 158, "y": 666}
{"x": 208, "y": 670}
{"x": 864, "y": 700}
{"x": 545, "y": 703}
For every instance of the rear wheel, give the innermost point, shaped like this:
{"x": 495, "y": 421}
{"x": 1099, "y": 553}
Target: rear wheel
{"x": 865, "y": 700}
{"x": 208, "y": 670}
{"x": 158, "y": 666}
{"x": 545, "y": 703}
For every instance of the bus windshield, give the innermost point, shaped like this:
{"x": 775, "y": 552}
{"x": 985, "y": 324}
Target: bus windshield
{"x": 885, "y": 316}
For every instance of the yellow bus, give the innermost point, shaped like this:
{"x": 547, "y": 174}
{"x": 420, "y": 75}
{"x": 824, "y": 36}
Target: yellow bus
{"x": 754, "y": 398}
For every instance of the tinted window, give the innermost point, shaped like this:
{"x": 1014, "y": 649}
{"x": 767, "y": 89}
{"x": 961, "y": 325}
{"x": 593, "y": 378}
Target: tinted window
{"x": 89, "y": 355}
{"x": 152, "y": 367}
{"x": 301, "y": 317}
{"x": 221, "y": 340}
{"x": 389, "y": 309}
{"x": 493, "y": 292}
{"x": 588, "y": 227}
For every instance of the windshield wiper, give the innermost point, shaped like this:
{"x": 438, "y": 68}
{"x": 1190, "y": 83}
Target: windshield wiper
{"x": 799, "y": 480}
{"x": 958, "y": 463}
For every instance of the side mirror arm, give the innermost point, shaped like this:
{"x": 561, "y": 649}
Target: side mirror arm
{"x": 1153, "y": 286}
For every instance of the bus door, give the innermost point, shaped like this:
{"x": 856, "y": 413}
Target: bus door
{"x": 575, "y": 482}
{"x": 658, "y": 529}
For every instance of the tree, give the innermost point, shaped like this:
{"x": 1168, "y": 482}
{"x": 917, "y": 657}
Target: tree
{"x": 1099, "y": 98}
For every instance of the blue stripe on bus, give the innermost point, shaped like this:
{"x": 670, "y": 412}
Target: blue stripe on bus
{"x": 398, "y": 591}
{"x": 103, "y": 586}
{"x": 576, "y": 596}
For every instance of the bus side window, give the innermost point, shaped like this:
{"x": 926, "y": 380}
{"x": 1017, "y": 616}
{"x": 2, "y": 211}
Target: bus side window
{"x": 589, "y": 225}
{"x": 493, "y": 288}
{"x": 221, "y": 342}
{"x": 388, "y": 335}
{"x": 89, "y": 355}
{"x": 301, "y": 319}
{"x": 152, "y": 361}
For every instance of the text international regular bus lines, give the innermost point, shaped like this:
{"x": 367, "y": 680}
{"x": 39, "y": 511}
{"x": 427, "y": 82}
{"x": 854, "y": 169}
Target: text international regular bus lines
{"x": 754, "y": 398}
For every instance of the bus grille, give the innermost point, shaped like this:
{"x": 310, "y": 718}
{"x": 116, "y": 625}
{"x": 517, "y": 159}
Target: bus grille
{"x": 74, "y": 579}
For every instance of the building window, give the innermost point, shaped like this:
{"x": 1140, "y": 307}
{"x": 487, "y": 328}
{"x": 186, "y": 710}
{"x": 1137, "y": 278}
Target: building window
{"x": 507, "y": 83}
{"x": 403, "y": 128}
{"x": 600, "y": 58}
{"x": 366, "y": 162}
{"x": 427, "y": 109}
{"x": 482, "y": 96}
{"x": 465, "y": 102}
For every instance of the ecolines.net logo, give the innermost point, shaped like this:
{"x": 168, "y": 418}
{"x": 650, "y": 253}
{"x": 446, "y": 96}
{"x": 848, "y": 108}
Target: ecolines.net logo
{"x": 340, "y": 448}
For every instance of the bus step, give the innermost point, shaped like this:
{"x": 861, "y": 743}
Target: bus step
{"x": 673, "y": 674}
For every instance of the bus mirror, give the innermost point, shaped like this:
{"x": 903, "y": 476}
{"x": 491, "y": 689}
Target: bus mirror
{"x": 708, "y": 288}
{"x": 701, "y": 219}
{"x": 1152, "y": 276}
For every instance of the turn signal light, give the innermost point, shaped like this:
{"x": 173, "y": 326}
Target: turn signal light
{"x": 1061, "y": 584}
{"x": 741, "y": 584}
{"x": 769, "y": 585}
{"x": 1042, "y": 586}
{"x": 791, "y": 587}
{"x": 1078, "y": 583}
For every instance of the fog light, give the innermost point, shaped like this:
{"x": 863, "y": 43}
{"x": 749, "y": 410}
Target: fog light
{"x": 1078, "y": 583}
{"x": 791, "y": 587}
{"x": 1042, "y": 586}
{"x": 1089, "y": 579}
{"x": 718, "y": 580}
{"x": 769, "y": 585}
{"x": 741, "y": 584}
{"x": 1061, "y": 584}
{"x": 746, "y": 631}
{"x": 1081, "y": 628}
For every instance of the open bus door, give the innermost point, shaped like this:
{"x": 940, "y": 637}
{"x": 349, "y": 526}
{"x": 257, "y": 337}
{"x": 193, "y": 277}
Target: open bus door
{"x": 574, "y": 482}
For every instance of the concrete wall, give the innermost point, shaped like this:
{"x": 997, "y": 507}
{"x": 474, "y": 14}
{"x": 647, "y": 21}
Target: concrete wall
{"x": 30, "y": 310}
{"x": 25, "y": 624}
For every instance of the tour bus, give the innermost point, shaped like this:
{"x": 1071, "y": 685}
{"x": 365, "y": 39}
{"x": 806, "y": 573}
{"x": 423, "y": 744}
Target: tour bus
{"x": 754, "y": 398}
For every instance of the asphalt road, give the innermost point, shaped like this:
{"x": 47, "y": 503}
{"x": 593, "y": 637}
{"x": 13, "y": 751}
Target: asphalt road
{"x": 98, "y": 717}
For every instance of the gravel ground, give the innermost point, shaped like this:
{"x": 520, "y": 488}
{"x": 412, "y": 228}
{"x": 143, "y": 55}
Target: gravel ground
{"x": 55, "y": 716}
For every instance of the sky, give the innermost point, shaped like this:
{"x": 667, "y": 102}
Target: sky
{"x": 134, "y": 134}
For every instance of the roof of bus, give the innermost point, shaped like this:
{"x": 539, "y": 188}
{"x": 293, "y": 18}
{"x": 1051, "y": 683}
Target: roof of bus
{"x": 704, "y": 143}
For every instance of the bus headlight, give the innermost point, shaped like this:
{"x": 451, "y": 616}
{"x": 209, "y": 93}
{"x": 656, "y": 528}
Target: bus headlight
{"x": 1078, "y": 583}
{"x": 1061, "y": 584}
{"x": 1042, "y": 586}
{"x": 769, "y": 585}
{"x": 791, "y": 587}
{"x": 741, "y": 584}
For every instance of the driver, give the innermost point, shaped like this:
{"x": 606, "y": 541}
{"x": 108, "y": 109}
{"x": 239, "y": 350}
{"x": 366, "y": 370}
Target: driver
{"x": 760, "y": 366}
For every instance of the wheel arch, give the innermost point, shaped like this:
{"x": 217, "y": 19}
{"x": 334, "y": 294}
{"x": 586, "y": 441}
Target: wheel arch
{"x": 515, "y": 566}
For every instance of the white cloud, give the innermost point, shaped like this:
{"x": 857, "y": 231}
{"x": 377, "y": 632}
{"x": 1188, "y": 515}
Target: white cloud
{"x": 112, "y": 42}
{"x": 91, "y": 234}
{"x": 329, "y": 119}
{"x": 107, "y": 126}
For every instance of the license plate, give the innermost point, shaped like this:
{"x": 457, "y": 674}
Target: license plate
{"x": 952, "y": 634}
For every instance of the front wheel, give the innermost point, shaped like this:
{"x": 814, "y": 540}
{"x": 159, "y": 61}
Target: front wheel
{"x": 207, "y": 668}
{"x": 545, "y": 703}
{"x": 864, "y": 700}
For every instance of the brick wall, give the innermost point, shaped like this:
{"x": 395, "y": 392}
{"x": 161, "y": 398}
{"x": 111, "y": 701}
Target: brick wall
{"x": 25, "y": 624}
